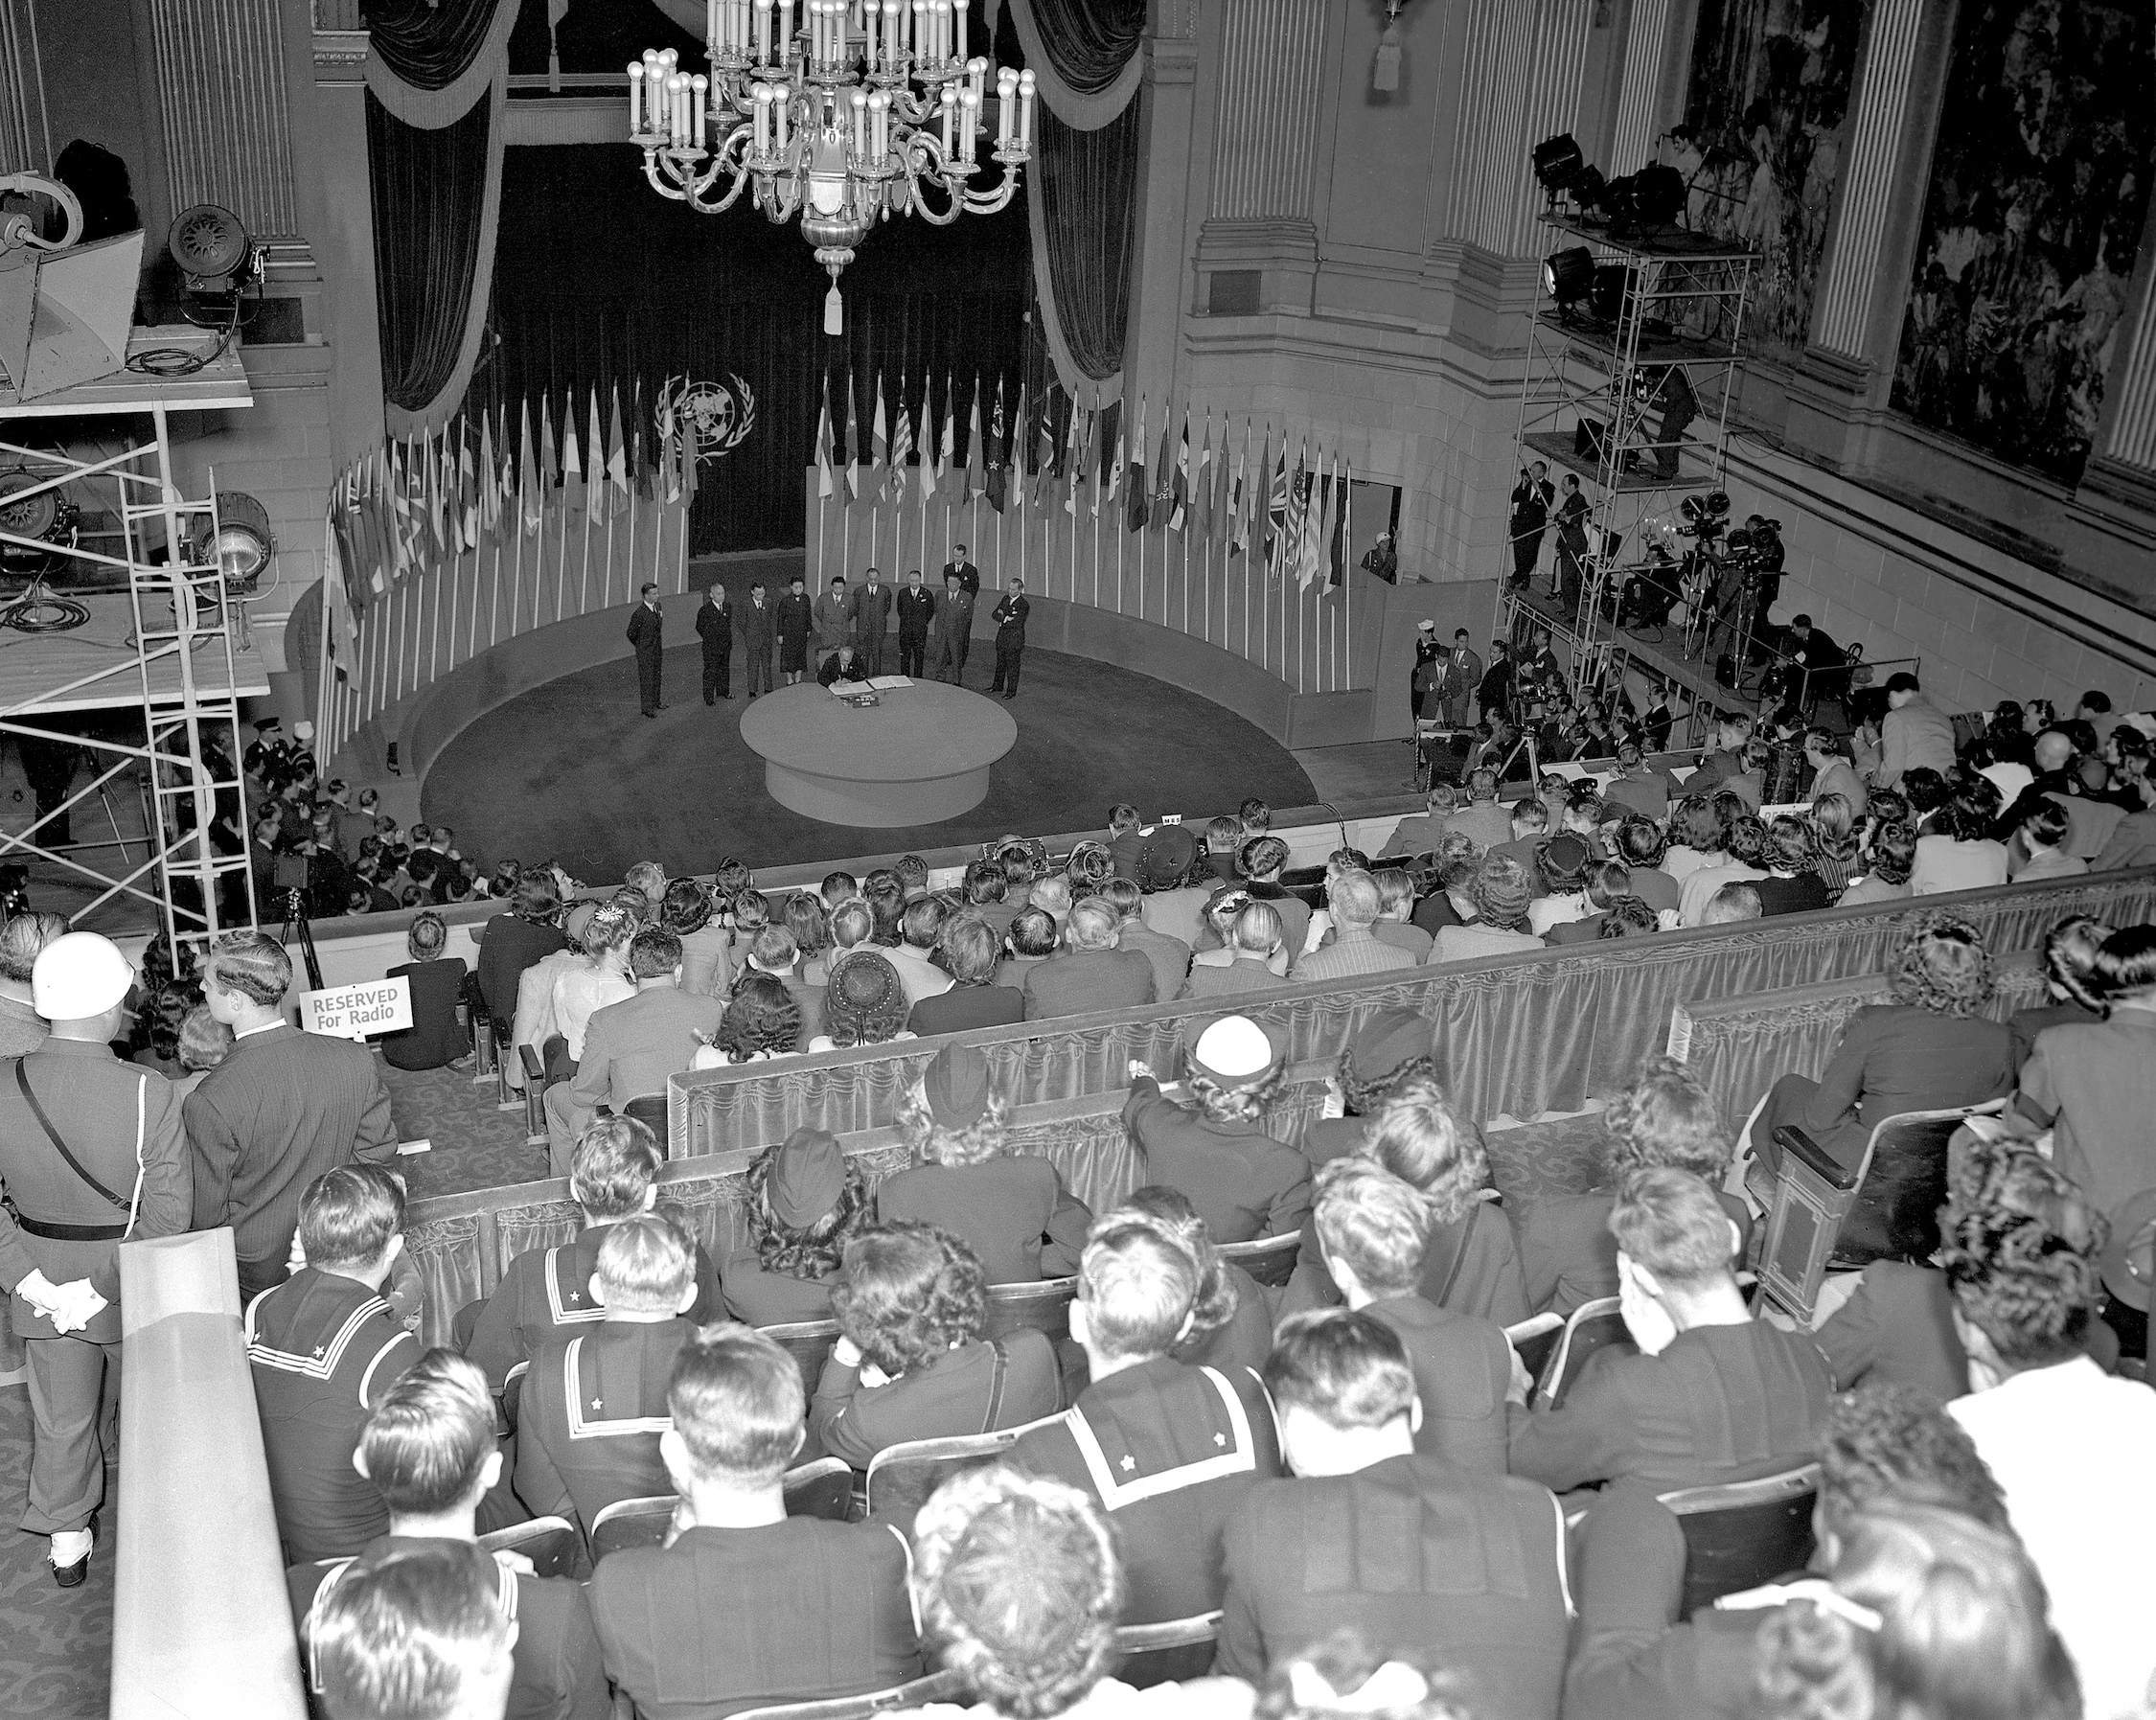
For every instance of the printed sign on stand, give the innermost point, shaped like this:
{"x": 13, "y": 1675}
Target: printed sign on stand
{"x": 358, "y": 1011}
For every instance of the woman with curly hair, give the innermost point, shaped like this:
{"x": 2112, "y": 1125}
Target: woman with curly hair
{"x": 1791, "y": 884}
{"x": 1892, "y": 855}
{"x": 1501, "y": 893}
{"x": 2070, "y": 952}
{"x": 1665, "y": 1119}
{"x": 911, "y": 1362}
{"x": 1955, "y": 851}
{"x": 1931, "y": 1616}
{"x": 804, "y": 1201}
{"x": 1836, "y": 843}
{"x": 707, "y": 966}
{"x": 1244, "y": 1182}
{"x": 804, "y": 915}
{"x": 1927, "y": 1050}
{"x": 762, "y": 1021}
{"x": 1010, "y": 1208}
{"x": 1231, "y": 1322}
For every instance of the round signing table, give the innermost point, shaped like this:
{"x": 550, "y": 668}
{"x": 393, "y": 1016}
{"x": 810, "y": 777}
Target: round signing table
{"x": 920, "y": 756}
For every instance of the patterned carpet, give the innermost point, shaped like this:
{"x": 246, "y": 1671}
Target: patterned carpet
{"x": 55, "y": 1645}
{"x": 475, "y": 1146}
{"x": 1529, "y": 1162}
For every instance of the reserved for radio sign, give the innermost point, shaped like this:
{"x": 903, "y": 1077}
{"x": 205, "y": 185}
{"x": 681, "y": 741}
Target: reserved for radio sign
{"x": 358, "y": 1011}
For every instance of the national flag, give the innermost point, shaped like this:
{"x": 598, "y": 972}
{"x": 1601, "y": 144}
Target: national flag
{"x": 901, "y": 444}
{"x": 1164, "y": 501}
{"x": 531, "y": 503}
{"x": 467, "y": 487}
{"x": 1202, "y": 487}
{"x": 1020, "y": 452}
{"x": 1337, "y": 526}
{"x": 825, "y": 482}
{"x": 1280, "y": 506}
{"x": 878, "y": 447}
{"x": 572, "y": 457}
{"x": 1140, "y": 504}
{"x": 437, "y": 504}
{"x": 854, "y": 446}
{"x": 931, "y": 467}
{"x": 1179, "y": 494}
{"x": 996, "y": 477}
{"x": 976, "y": 457}
{"x": 667, "y": 480}
{"x": 639, "y": 449}
{"x": 949, "y": 473}
{"x": 688, "y": 463}
{"x": 1114, "y": 465}
{"x": 1238, "y": 517}
{"x": 1079, "y": 446}
{"x": 1313, "y": 504}
{"x": 595, "y": 456}
{"x": 1044, "y": 460}
{"x": 617, "y": 447}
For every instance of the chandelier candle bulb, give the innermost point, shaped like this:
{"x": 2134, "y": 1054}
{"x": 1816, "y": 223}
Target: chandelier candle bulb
{"x": 697, "y": 86}
{"x": 949, "y": 103}
{"x": 714, "y": 26}
{"x": 891, "y": 10}
{"x": 958, "y": 19}
{"x": 778, "y": 119}
{"x": 635, "y": 97}
{"x": 969, "y": 124}
{"x": 786, "y": 31}
{"x": 762, "y": 32}
{"x": 1006, "y": 82}
{"x": 860, "y": 125}
{"x": 1026, "y": 111}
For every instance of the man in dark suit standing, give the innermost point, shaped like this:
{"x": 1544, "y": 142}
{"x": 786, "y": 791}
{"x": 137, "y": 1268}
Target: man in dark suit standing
{"x": 916, "y": 609}
{"x": 1009, "y": 615}
{"x": 283, "y": 1108}
{"x": 715, "y": 627}
{"x": 645, "y": 626}
{"x": 758, "y": 634}
{"x": 954, "y": 630}
{"x": 796, "y": 616}
{"x": 1531, "y": 500}
{"x": 1464, "y": 675}
{"x": 91, "y": 1154}
{"x": 962, "y": 570}
{"x": 868, "y": 617}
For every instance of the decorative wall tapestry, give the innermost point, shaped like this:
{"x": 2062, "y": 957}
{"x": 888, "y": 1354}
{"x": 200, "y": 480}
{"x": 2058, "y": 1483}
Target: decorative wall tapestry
{"x": 1765, "y": 131}
{"x": 2038, "y": 191}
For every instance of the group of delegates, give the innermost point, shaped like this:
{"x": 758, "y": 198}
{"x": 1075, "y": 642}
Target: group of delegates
{"x": 1354, "y": 1470}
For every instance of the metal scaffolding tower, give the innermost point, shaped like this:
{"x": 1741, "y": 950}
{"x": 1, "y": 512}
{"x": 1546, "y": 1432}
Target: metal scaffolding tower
{"x": 1631, "y": 386}
{"x": 144, "y": 626}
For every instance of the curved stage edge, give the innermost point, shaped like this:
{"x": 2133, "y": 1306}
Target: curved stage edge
{"x": 423, "y": 724}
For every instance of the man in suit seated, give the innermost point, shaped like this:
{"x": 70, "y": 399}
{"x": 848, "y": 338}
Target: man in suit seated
{"x": 430, "y": 1450}
{"x": 1419, "y": 832}
{"x": 1373, "y": 1231}
{"x": 322, "y": 1347}
{"x": 1167, "y": 1450}
{"x": 544, "y": 1292}
{"x": 1090, "y": 973}
{"x": 442, "y": 1620}
{"x": 630, "y": 1047}
{"x": 845, "y": 664}
{"x": 1635, "y": 1660}
{"x": 595, "y": 1396}
{"x": 748, "y": 1606}
{"x": 1714, "y": 1395}
{"x": 1418, "y": 1554}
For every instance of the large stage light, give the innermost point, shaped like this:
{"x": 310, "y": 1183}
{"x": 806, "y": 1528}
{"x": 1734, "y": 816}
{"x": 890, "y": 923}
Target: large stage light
{"x": 1658, "y": 195}
{"x": 242, "y": 543}
{"x": 1605, "y": 299}
{"x": 1568, "y": 276}
{"x": 210, "y": 244}
{"x": 1558, "y": 162}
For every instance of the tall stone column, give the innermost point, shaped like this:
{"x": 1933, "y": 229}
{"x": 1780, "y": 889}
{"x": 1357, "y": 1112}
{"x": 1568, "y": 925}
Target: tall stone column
{"x": 1167, "y": 135}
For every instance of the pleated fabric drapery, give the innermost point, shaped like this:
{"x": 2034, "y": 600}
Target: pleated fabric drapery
{"x": 1087, "y": 57}
{"x": 437, "y": 78}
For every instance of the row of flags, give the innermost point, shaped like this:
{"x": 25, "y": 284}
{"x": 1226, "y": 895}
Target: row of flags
{"x": 1289, "y": 510}
{"x": 440, "y": 494}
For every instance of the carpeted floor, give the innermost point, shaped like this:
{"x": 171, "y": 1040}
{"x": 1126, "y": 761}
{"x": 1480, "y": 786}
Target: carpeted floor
{"x": 571, "y": 770}
{"x": 473, "y": 1144}
{"x": 55, "y": 1645}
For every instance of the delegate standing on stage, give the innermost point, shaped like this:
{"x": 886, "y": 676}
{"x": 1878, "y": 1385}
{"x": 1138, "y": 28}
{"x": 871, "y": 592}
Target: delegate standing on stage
{"x": 645, "y": 626}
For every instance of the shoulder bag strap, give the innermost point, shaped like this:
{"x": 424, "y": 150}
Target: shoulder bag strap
{"x": 44, "y": 1122}
{"x": 994, "y": 1384}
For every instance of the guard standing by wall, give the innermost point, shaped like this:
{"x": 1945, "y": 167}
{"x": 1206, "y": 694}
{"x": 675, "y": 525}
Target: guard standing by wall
{"x": 92, "y": 1153}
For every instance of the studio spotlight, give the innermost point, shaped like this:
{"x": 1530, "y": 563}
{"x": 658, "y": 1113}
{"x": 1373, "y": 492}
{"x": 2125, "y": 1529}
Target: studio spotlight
{"x": 1605, "y": 299}
{"x": 211, "y": 246}
{"x": 1619, "y": 200}
{"x": 1568, "y": 276}
{"x": 1558, "y": 162}
{"x": 1658, "y": 194}
{"x": 1588, "y": 188}
{"x": 242, "y": 544}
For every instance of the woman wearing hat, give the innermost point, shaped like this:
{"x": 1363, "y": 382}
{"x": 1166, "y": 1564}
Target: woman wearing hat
{"x": 1011, "y": 1209}
{"x": 864, "y": 1004}
{"x": 1244, "y": 1182}
{"x": 805, "y": 1200}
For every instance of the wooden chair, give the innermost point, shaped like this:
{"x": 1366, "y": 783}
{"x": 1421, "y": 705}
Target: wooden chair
{"x": 1269, "y": 1259}
{"x": 819, "y": 1489}
{"x": 552, "y": 1543}
{"x": 535, "y": 1096}
{"x": 1595, "y": 1326}
{"x": 947, "y": 1686}
{"x": 1740, "y": 1534}
{"x": 1044, "y": 1307}
{"x": 485, "y": 1047}
{"x": 1172, "y": 1648}
{"x": 902, "y": 1477}
{"x": 1826, "y": 1215}
{"x": 810, "y": 1342}
{"x": 1534, "y": 1339}
{"x": 651, "y": 1112}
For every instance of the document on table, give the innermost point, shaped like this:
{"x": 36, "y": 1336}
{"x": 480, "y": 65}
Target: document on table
{"x": 883, "y": 683}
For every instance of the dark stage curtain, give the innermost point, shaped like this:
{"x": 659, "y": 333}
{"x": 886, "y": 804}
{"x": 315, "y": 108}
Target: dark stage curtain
{"x": 429, "y": 44}
{"x": 1088, "y": 41}
{"x": 429, "y": 195}
{"x": 1087, "y": 186}
{"x": 600, "y": 283}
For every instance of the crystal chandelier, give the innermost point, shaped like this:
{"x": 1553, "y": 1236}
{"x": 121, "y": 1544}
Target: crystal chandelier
{"x": 872, "y": 107}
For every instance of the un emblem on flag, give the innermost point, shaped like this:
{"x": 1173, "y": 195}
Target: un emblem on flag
{"x": 717, "y": 416}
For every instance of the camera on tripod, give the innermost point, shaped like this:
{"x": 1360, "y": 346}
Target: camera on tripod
{"x": 1758, "y": 538}
{"x": 1706, "y": 517}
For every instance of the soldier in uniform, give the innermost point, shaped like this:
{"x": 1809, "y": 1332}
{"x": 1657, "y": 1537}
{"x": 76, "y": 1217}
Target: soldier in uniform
{"x": 324, "y": 1346}
{"x": 547, "y": 1292}
{"x": 1169, "y": 1451}
{"x": 916, "y": 609}
{"x": 430, "y": 1450}
{"x": 1410, "y": 1549}
{"x": 953, "y": 632}
{"x": 594, "y": 1398}
{"x": 750, "y": 1606}
{"x": 91, "y": 1153}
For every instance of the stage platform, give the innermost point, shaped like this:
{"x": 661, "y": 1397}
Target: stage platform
{"x": 1657, "y": 651}
{"x": 93, "y": 668}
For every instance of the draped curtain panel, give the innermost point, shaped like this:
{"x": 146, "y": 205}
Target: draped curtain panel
{"x": 429, "y": 44}
{"x": 1518, "y": 1035}
{"x": 429, "y": 191}
{"x": 1085, "y": 55}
